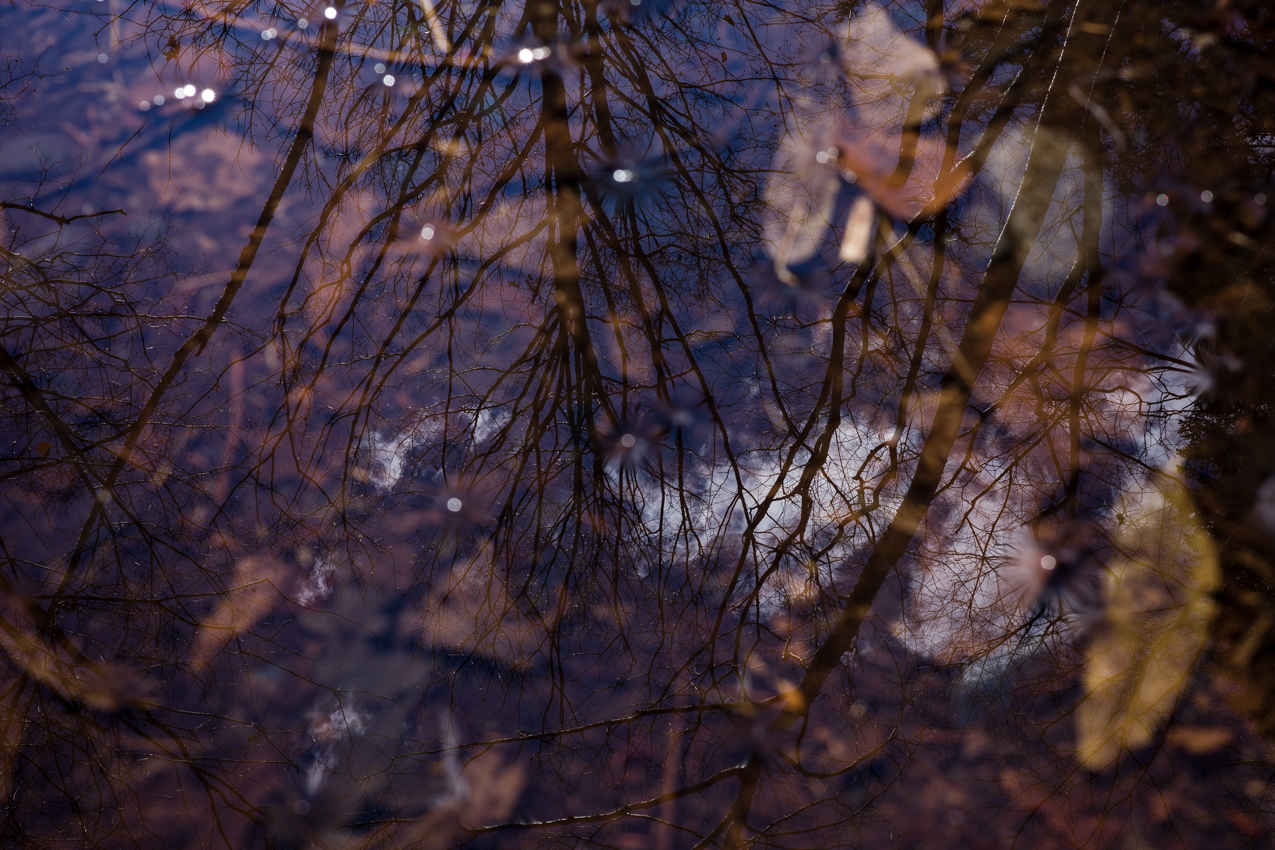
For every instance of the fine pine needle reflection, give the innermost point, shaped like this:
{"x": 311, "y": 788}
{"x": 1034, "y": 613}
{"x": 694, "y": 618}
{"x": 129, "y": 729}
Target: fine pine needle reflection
{"x": 620, "y": 424}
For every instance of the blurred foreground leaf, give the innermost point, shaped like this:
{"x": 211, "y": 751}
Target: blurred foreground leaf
{"x": 1159, "y": 588}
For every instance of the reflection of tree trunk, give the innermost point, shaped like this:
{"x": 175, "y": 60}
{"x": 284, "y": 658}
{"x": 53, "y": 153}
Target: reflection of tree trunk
{"x": 235, "y": 390}
{"x": 1044, "y": 166}
{"x": 668, "y": 785}
{"x": 562, "y": 183}
{"x": 1088, "y": 263}
{"x": 12, "y": 723}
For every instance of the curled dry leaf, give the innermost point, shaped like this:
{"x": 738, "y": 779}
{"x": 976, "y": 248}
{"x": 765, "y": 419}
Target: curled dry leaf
{"x": 113, "y": 686}
{"x": 925, "y": 189}
{"x": 253, "y": 593}
{"x": 800, "y": 196}
{"x": 1156, "y": 624}
{"x": 107, "y": 686}
{"x": 472, "y": 613}
{"x": 493, "y": 791}
{"x": 488, "y": 790}
{"x": 1199, "y": 740}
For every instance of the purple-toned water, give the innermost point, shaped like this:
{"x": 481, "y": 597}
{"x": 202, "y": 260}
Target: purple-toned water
{"x": 636, "y": 424}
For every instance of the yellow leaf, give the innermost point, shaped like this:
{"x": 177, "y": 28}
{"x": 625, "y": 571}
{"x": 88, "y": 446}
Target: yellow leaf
{"x": 1159, "y": 603}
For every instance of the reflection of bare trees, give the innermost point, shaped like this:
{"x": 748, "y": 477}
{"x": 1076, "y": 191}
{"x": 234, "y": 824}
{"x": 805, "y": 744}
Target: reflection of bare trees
{"x": 660, "y": 426}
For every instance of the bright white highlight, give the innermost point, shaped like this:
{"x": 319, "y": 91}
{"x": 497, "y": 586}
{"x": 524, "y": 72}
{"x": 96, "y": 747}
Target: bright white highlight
{"x": 527, "y": 55}
{"x": 858, "y": 235}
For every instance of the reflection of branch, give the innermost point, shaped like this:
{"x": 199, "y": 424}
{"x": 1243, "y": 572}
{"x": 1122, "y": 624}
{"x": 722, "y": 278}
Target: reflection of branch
{"x": 197, "y": 341}
{"x": 25, "y": 384}
{"x": 614, "y": 722}
{"x": 1044, "y": 166}
{"x": 621, "y": 811}
{"x": 60, "y": 219}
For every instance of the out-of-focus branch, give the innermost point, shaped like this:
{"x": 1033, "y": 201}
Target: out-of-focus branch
{"x": 60, "y": 219}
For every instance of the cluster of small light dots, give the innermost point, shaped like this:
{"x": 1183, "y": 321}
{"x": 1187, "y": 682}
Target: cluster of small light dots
{"x": 1207, "y": 197}
{"x": 182, "y": 93}
{"x": 628, "y": 441}
{"x": 623, "y": 175}
{"x": 454, "y": 505}
{"x": 1048, "y": 562}
{"x": 528, "y": 54}
{"x": 388, "y": 79}
{"x": 825, "y": 156}
{"x": 268, "y": 34}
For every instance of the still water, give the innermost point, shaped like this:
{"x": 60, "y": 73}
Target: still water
{"x": 637, "y": 424}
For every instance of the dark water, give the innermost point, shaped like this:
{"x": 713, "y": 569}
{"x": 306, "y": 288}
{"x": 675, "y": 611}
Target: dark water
{"x": 639, "y": 424}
